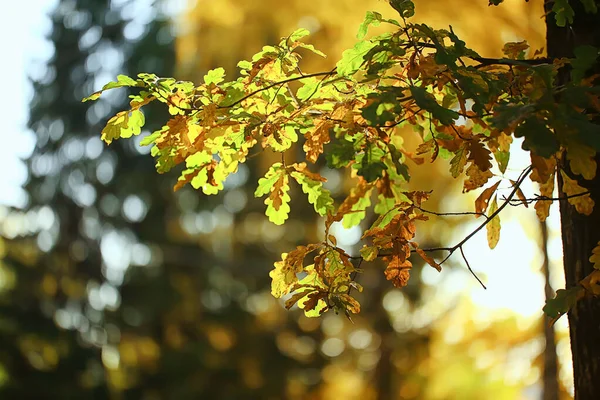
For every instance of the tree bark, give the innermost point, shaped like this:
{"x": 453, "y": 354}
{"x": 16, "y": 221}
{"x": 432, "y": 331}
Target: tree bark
{"x": 580, "y": 233}
{"x": 550, "y": 389}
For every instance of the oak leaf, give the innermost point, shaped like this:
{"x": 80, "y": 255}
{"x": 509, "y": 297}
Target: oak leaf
{"x": 316, "y": 139}
{"x": 493, "y": 226}
{"x": 399, "y": 274}
{"x": 584, "y": 203}
{"x": 581, "y": 160}
{"x": 594, "y": 258}
{"x": 481, "y": 204}
{"x": 542, "y": 207}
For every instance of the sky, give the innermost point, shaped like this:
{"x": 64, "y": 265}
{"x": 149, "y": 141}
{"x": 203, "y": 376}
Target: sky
{"x": 22, "y": 37}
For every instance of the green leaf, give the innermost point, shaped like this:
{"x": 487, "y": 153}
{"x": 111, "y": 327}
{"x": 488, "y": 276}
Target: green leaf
{"x": 150, "y": 139}
{"x": 122, "y": 81}
{"x": 585, "y": 58}
{"x": 564, "y": 300}
{"x": 352, "y": 59}
{"x": 266, "y": 184}
{"x": 123, "y": 125}
{"x": 372, "y": 18}
{"x": 198, "y": 160}
{"x": 384, "y": 204}
{"x": 311, "y": 48}
{"x": 215, "y": 76}
{"x": 563, "y": 12}
{"x": 493, "y": 226}
{"x": 339, "y": 155}
{"x": 318, "y": 196}
{"x": 309, "y": 89}
{"x": 538, "y": 138}
{"x": 458, "y": 162}
{"x": 369, "y": 253}
{"x": 405, "y": 8}
{"x": 357, "y": 212}
{"x": 298, "y": 34}
{"x": 426, "y": 101}
{"x": 502, "y": 158}
{"x": 370, "y": 164}
{"x": 275, "y": 182}
{"x": 590, "y": 6}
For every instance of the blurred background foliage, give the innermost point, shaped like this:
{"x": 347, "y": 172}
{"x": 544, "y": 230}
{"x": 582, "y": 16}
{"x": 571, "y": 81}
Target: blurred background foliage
{"x": 113, "y": 286}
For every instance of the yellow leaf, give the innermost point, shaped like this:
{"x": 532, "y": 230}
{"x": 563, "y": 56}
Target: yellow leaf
{"x": 583, "y": 204}
{"x": 284, "y": 275}
{"x": 493, "y": 226}
{"x": 476, "y": 178}
{"x": 542, "y": 207}
{"x": 595, "y": 257}
{"x": 581, "y": 160}
{"x": 369, "y": 253}
{"x": 592, "y": 282}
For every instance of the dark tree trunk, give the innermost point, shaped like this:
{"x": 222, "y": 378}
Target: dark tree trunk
{"x": 551, "y": 390}
{"x": 580, "y": 233}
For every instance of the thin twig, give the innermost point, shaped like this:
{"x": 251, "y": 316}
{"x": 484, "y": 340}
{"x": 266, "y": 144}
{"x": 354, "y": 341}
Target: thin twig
{"x": 469, "y": 267}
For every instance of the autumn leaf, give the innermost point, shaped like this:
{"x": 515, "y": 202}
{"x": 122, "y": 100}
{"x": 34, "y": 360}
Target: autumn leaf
{"x": 314, "y": 304}
{"x": 316, "y": 139}
{"x": 515, "y": 49}
{"x": 426, "y": 258}
{"x": 584, "y": 203}
{"x": 581, "y": 160}
{"x": 481, "y": 204}
{"x": 493, "y": 226}
{"x": 123, "y": 125}
{"x": 542, "y": 207}
{"x": 458, "y": 162}
{"x": 275, "y": 182}
{"x": 398, "y": 273}
{"x": 122, "y": 81}
{"x": 476, "y": 178}
{"x": 542, "y": 168}
{"x": 369, "y": 253}
{"x": 479, "y": 155}
{"x": 594, "y": 258}
{"x": 591, "y": 283}
{"x": 354, "y": 206}
{"x": 284, "y": 275}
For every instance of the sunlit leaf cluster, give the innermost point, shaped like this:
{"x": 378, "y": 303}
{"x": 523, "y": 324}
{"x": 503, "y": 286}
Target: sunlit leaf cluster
{"x": 465, "y": 108}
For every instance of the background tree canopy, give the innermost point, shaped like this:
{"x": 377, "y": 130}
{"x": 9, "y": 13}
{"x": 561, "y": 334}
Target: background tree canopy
{"x": 141, "y": 292}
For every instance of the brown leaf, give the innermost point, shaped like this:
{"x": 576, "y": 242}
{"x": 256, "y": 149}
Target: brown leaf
{"x": 313, "y": 300}
{"x": 476, "y": 178}
{"x": 185, "y": 179}
{"x": 520, "y": 194}
{"x": 316, "y": 139}
{"x": 399, "y": 276}
{"x": 428, "y": 260}
{"x": 543, "y": 168}
{"x": 289, "y": 303}
{"x": 302, "y": 168}
{"x": 479, "y": 155}
{"x": 482, "y": 201}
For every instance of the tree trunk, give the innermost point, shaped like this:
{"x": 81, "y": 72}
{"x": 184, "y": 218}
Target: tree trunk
{"x": 580, "y": 233}
{"x": 550, "y": 388}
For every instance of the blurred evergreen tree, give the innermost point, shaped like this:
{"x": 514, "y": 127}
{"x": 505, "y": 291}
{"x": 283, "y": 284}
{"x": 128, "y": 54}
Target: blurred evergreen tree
{"x": 112, "y": 295}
